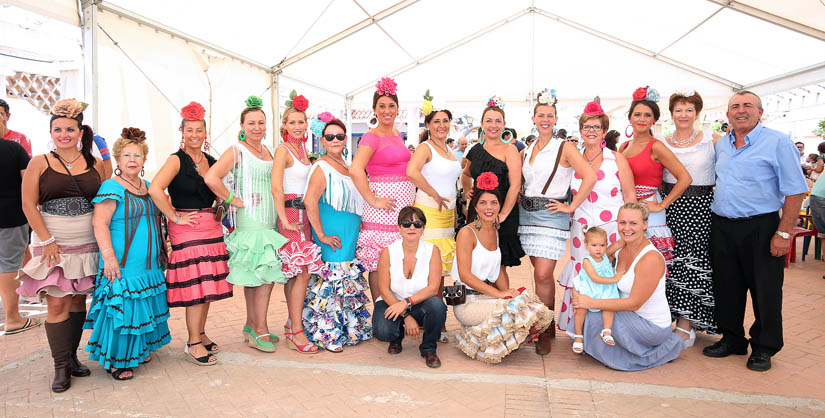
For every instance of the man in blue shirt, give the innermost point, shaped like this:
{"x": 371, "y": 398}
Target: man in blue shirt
{"x": 757, "y": 173}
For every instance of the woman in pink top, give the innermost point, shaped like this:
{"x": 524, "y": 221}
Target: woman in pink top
{"x": 382, "y": 153}
{"x": 648, "y": 157}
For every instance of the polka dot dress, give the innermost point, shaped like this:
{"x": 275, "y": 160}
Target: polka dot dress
{"x": 600, "y": 209}
{"x": 689, "y": 286}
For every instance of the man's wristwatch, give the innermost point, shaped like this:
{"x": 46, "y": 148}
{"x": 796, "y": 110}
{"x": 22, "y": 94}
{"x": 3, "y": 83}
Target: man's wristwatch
{"x": 409, "y": 304}
{"x": 784, "y": 235}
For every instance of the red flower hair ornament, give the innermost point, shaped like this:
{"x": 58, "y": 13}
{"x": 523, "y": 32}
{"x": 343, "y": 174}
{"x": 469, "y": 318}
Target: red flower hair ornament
{"x": 193, "y": 111}
{"x": 487, "y": 181}
{"x": 300, "y": 103}
{"x": 646, "y": 93}
{"x": 593, "y": 108}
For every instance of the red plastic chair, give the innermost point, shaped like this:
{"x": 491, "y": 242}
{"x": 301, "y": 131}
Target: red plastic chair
{"x": 796, "y": 232}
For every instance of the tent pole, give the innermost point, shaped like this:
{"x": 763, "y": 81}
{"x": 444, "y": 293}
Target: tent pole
{"x": 348, "y": 122}
{"x": 90, "y": 61}
{"x": 532, "y": 57}
{"x": 275, "y": 81}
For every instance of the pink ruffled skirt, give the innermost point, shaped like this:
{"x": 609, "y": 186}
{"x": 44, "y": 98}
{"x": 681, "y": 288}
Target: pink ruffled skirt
{"x": 300, "y": 251}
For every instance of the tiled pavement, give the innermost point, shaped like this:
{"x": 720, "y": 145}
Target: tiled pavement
{"x": 365, "y": 381}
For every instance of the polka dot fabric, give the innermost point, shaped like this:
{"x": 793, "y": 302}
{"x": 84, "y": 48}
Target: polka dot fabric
{"x": 600, "y": 209}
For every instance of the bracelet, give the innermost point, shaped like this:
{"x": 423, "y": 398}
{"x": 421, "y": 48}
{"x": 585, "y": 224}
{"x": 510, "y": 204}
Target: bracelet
{"x": 104, "y": 250}
{"x": 411, "y": 301}
{"x": 44, "y": 243}
{"x": 177, "y": 221}
{"x": 229, "y": 199}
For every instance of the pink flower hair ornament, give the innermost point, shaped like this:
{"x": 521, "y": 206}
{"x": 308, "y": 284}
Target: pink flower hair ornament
{"x": 496, "y": 101}
{"x": 386, "y": 86}
{"x": 593, "y": 108}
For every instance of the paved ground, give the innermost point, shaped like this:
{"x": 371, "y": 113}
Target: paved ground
{"x": 365, "y": 381}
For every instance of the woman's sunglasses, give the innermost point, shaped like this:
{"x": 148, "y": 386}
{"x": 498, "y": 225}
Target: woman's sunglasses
{"x": 416, "y": 224}
{"x": 331, "y": 137}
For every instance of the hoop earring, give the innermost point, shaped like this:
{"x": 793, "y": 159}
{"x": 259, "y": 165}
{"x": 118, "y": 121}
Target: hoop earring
{"x": 512, "y": 137}
{"x": 482, "y": 136}
{"x": 142, "y": 172}
{"x": 344, "y": 152}
{"x": 323, "y": 151}
{"x": 118, "y": 171}
{"x": 631, "y": 131}
{"x": 372, "y": 121}
{"x": 242, "y": 136}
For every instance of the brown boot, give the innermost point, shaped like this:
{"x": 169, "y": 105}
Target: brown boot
{"x": 60, "y": 341}
{"x": 77, "y": 319}
{"x": 543, "y": 346}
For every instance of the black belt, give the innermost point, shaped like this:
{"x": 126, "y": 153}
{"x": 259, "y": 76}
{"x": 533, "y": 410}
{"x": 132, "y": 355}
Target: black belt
{"x": 691, "y": 191}
{"x": 747, "y": 218}
{"x": 295, "y": 203}
{"x": 67, "y": 206}
{"x": 537, "y": 203}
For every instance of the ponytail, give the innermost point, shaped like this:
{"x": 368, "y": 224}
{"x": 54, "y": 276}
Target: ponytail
{"x": 86, "y": 141}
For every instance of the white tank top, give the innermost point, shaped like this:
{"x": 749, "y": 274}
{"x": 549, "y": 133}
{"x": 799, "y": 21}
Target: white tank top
{"x": 486, "y": 264}
{"x": 655, "y": 309}
{"x": 441, "y": 173}
{"x": 295, "y": 177}
{"x": 401, "y": 286}
{"x": 536, "y": 174}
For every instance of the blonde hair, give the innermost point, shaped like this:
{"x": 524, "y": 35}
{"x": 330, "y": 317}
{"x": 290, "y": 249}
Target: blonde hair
{"x": 131, "y": 136}
{"x": 637, "y": 206}
{"x": 595, "y": 231}
{"x": 290, "y": 110}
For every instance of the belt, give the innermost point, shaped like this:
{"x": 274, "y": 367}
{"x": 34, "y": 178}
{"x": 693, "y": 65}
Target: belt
{"x": 691, "y": 191}
{"x": 209, "y": 210}
{"x": 295, "y": 203}
{"x": 68, "y": 206}
{"x": 537, "y": 203}
{"x": 747, "y": 218}
{"x": 470, "y": 291}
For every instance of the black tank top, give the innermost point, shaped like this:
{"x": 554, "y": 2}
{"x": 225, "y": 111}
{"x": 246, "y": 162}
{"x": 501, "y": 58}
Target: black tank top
{"x": 58, "y": 184}
{"x": 187, "y": 189}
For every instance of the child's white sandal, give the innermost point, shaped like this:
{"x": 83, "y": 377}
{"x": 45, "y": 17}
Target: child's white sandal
{"x": 578, "y": 346}
{"x": 608, "y": 339}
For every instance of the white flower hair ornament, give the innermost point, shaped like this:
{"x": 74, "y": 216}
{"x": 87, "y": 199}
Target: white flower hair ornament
{"x": 547, "y": 97}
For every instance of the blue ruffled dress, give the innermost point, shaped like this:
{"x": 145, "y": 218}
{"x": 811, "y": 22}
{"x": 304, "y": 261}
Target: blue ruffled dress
{"x": 585, "y": 286}
{"x": 128, "y": 315}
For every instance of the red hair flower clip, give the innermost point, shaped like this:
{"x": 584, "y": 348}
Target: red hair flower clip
{"x": 386, "y": 86}
{"x": 593, "y": 108}
{"x": 487, "y": 181}
{"x": 193, "y": 111}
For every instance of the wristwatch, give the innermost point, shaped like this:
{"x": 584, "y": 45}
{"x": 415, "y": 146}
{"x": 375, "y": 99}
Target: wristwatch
{"x": 784, "y": 235}
{"x": 409, "y": 304}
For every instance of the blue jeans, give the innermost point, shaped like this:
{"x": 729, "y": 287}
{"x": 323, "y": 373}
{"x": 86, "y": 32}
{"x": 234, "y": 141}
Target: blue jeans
{"x": 431, "y": 313}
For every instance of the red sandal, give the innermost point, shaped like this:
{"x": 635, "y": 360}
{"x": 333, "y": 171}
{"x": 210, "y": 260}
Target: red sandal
{"x": 308, "y": 348}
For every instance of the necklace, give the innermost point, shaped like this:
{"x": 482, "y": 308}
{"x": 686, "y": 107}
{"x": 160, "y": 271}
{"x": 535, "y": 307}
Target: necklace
{"x": 297, "y": 151}
{"x": 340, "y": 163}
{"x": 259, "y": 151}
{"x": 444, "y": 148}
{"x": 131, "y": 184}
{"x": 590, "y": 160}
{"x": 68, "y": 163}
{"x": 197, "y": 164}
{"x": 672, "y": 139}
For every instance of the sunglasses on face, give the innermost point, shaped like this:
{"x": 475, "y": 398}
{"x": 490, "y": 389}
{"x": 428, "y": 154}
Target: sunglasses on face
{"x": 339, "y": 137}
{"x": 416, "y": 224}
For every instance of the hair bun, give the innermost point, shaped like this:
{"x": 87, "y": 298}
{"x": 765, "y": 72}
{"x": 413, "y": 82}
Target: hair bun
{"x": 133, "y": 134}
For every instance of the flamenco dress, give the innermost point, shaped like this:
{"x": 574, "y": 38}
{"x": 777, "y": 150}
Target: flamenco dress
{"x": 128, "y": 315}
{"x": 253, "y": 245}
{"x": 300, "y": 251}
{"x": 387, "y": 170}
{"x": 197, "y": 267}
{"x": 482, "y": 161}
{"x": 335, "y": 309}
{"x": 442, "y": 174}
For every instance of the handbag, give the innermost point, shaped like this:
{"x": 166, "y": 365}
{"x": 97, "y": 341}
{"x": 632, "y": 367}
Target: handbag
{"x": 221, "y": 209}
{"x": 455, "y": 294}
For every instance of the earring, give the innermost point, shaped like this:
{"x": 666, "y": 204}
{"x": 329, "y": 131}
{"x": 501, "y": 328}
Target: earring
{"x": 372, "y": 121}
{"x": 142, "y": 172}
{"x": 206, "y": 145}
{"x": 604, "y": 143}
{"x": 118, "y": 171}
{"x": 631, "y": 131}
{"x": 482, "y": 136}
{"x": 477, "y": 225}
{"x": 242, "y": 136}
{"x": 264, "y": 135}
{"x": 323, "y": 151}
{"x": 305, "y": 138}
{"x": 512, "y": 137}
{"x": 182, "y": 143}
{"x": 344, "y": 152}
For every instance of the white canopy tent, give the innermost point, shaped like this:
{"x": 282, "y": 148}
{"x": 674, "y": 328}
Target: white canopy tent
{"x": 145, "y": 60}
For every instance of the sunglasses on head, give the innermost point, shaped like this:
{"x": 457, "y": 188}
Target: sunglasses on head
{"x": 331, "y": 137}
{"x": 416, "y": 224}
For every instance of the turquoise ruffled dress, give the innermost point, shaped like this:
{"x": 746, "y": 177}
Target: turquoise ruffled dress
{"x": 128, "y": 315}
{"x": 253, "y": 245}
{"x": 585, "y": 286}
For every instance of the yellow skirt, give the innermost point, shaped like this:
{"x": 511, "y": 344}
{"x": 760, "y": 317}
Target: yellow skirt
{"x": 440, "y": 230}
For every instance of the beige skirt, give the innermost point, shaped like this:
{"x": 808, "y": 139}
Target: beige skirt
{"x": 492, "y": 328}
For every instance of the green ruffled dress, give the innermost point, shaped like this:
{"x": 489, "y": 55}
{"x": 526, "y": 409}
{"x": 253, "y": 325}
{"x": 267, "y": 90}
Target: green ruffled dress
{"x": 253, "y": 245}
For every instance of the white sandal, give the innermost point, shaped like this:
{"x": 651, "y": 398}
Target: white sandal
{"x": 578, "y": 346}
{"x": 691, "y": 336}
{"x": 608, "y": 339}
{"x": 444, "y": 337}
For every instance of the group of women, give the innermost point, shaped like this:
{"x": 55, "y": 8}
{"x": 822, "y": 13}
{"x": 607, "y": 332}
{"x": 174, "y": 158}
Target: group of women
{"x": 317, "y": 229}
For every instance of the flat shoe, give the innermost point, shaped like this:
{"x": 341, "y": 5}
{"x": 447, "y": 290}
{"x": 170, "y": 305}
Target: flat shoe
{"x": 432, "y": 360}
{"x": 759, "y": 362}
{"x": 27, "y": 326}
{"x": 723, "y": 349}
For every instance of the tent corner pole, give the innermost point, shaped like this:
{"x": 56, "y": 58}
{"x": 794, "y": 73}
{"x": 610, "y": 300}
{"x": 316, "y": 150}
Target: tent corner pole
{"x": 275, "y": 83}
{"x": 348, "y": 122}
{"x": 89, "y": 10}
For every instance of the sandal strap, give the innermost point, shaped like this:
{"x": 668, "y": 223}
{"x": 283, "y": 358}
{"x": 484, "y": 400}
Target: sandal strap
{"x": 300, "y": 331}
{"x": 193, "y": 344}
{"x": 683, "y": 330}
{"x": 578, "y": 336}
{"x": 258, "y": 337}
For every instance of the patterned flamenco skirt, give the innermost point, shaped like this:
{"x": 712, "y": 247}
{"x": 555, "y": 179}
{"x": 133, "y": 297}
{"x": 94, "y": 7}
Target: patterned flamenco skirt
{"x": 197, "y": 267}
{"x": 128, "y": 317}
{"x": 379, "y": 228}
{"x": 300, "y": 252}
{"x": 493, "y": 328}
{"x": 335, "y": 309}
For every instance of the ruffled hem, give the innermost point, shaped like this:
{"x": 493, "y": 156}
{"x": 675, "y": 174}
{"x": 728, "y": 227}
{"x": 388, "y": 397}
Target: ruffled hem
{"x": 296, "y": 255}
{"x": 542, "y": 245}
{"x": 447, "y": 248}
{"x": 370, "y": 244}
{"x": 56, "y": 285}
{"x": 507, "y": 327}
{"x": 128, "y": 319}
{"x": 253, "y": 257}
{"x": 511, "y": 251}
{"x": 197, "y": 274}
{"x": 73, "y": 266}
{"x": 335, "y": 309}
{"x": 661, "y": 238}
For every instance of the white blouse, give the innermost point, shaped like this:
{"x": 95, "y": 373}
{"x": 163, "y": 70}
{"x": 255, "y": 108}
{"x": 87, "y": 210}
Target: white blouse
{"x": 536, "y": 174}
{"x": 698, "y": 161}
{"x": 401, "y": 286}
